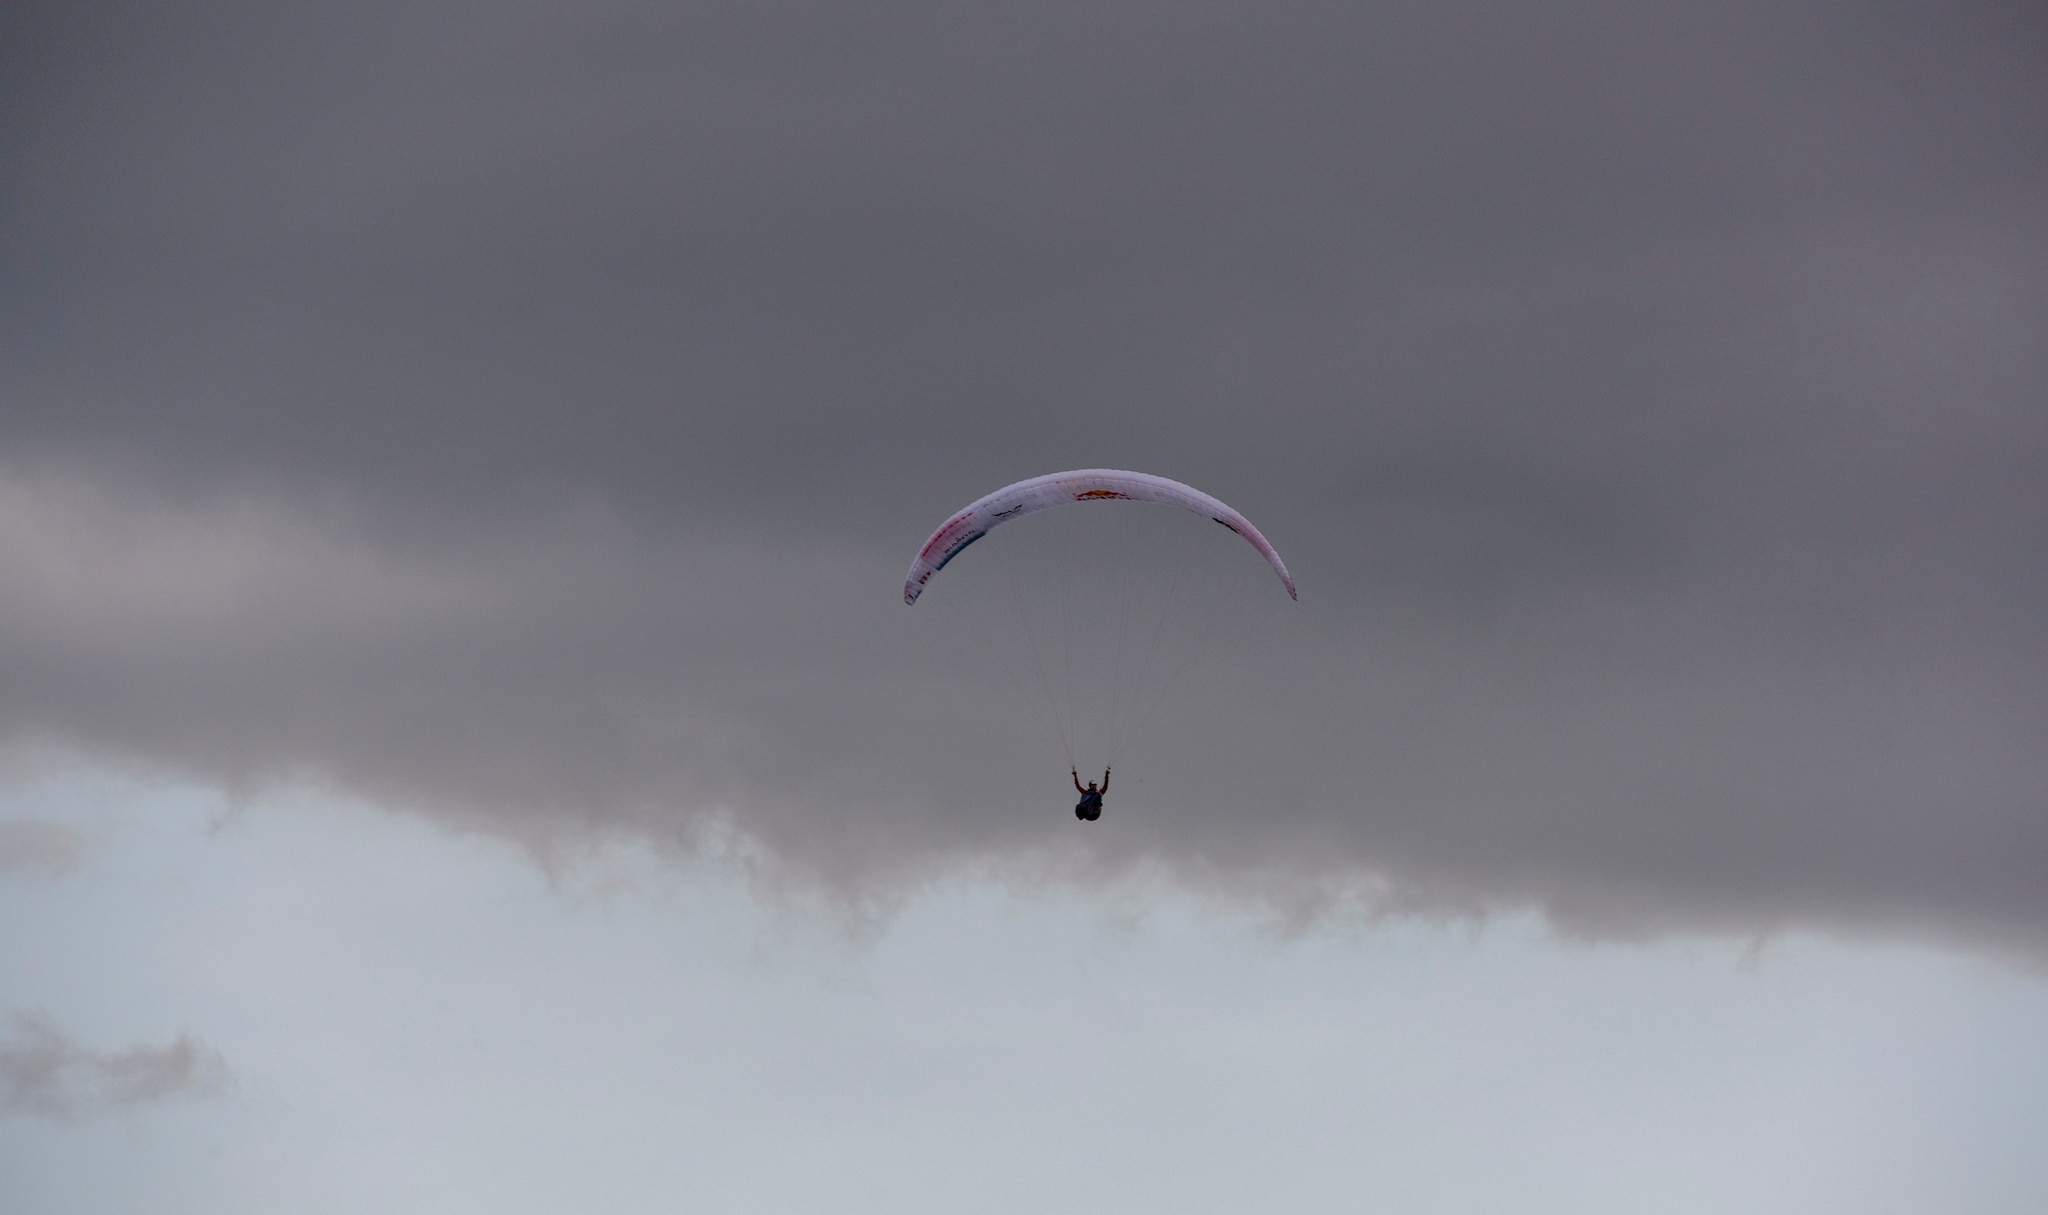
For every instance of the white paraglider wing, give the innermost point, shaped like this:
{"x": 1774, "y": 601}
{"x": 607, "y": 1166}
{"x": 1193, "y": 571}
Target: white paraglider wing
{"x": 1067, "y": 489}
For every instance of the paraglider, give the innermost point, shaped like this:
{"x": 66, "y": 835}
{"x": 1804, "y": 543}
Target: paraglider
{"x": 1090, "y": 805}
{"x": 1037, "y": 494}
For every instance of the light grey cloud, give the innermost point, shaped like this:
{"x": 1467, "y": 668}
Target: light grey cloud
{"x": 43, "y": 1073}
{"x": 525, "y": 417}
{"x": 34, "y": 846}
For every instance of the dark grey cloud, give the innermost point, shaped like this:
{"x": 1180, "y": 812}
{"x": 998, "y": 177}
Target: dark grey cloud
{"x": 523, "y": 414}
{"x": 44, "y": 1073}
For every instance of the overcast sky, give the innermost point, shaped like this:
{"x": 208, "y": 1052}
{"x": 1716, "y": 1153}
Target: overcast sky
{"x": 518, "y": 418}
{"x": 366, "y": 1014}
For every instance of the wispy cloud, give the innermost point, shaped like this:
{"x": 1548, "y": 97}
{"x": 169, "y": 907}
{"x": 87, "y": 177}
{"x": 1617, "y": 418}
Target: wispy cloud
{"x": 32, "y": 845}
{"x": 45, "y": 1074}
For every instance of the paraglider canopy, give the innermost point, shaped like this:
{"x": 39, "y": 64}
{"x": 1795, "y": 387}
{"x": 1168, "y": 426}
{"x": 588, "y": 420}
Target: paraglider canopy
{"x": 1094, "y": 633}
{"x": 1069, "y": 489}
